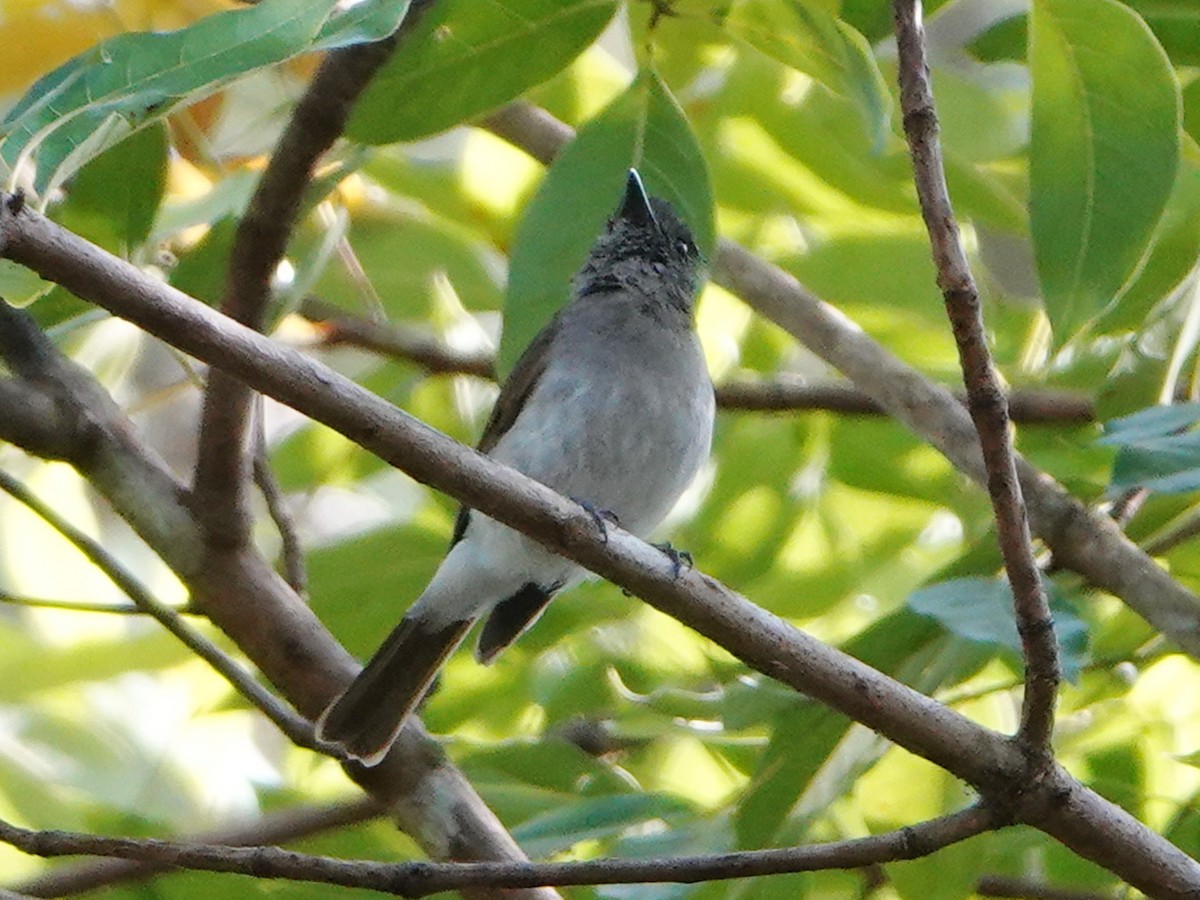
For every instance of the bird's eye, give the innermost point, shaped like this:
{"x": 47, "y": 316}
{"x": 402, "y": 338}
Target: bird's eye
{"x": 685, "y": 247}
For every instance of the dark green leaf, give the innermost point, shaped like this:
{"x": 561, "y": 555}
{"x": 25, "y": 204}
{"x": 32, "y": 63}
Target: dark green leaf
{"x": 113, "y": 199}
{"x": 643, "y": 127}
{"x": 1170, "y": 464}
{"x": 464, "y": 58}
{"x": 1152, "y": 422}
{"x": 595, "y": 818}
{"x": 981, "y": 610}
{"x": 1105, "y": 148}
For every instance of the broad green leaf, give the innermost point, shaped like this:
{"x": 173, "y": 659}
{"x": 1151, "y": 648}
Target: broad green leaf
{"x": 113, "y": 199}
{"x": 1174, "y": 248}
{"x": 1152, "y": 422}
{"x": 1170, "y": 464}
{"x": 981, "y": 610}
{"x": 594, "y": 818}
{"x": 126, "y": 82}
{"x": 1104, "y": 152}
{"x": 807, "y": 38}
{"x": 1176, "y": 24}
{"x": 464, "y": 58}
{"x": 644, "y": 128}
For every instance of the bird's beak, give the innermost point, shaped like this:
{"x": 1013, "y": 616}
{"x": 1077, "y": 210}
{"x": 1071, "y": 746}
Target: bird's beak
{"x": 635, "y": 207}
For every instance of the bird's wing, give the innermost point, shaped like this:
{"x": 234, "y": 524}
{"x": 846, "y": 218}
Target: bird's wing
{"x": 516, "y": 390}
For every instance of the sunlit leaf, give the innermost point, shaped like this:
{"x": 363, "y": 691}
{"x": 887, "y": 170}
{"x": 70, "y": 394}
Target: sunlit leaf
{"x": 807, "y": 38}
{"x": 1105, "y": 147}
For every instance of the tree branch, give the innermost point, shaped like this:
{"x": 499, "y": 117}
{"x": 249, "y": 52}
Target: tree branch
{"x": 420, "y": 879}
{"x": 291, "y": 554}
{"x": 278, "y": 827}
{"x": 297, "y": 729}
{"x": 985, "y": 397}
{"x": 245, "y": 598}
{"x": 780, "y": 394}
{"x": 1082, "y": 540}
{"x": 391, "y": 340}
{"x": 223, "y": 463}
{"x": 1027, "y": 889}
{"x": 1034, "y": 791}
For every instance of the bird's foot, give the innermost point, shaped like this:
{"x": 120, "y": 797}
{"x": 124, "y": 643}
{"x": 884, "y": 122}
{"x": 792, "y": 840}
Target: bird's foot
{"x": 680, "y": 559}
{"x": 601, "y": 516}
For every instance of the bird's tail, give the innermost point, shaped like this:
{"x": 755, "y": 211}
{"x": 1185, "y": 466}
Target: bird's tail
{"x": 366, "y": 718}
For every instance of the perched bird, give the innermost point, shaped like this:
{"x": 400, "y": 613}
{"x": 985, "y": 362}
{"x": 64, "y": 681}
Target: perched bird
{"x": 611, "y": 405}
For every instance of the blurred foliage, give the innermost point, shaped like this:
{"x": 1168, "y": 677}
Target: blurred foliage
{"x": 1069, "y": 138}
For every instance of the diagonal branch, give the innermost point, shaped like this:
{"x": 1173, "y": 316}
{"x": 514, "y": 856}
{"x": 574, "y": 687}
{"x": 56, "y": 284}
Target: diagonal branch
{"x": 421, "y": 879}
{"x": 277, "y": 827}
{"x": 1081, "y": 539}
{"x": 985, "y": 396}
{"x": 1032, "y": 790}
{"x": 223, "y": 462}
{"x": 297, "y": 729}
{"x": 244, "y": 597}
{"x": 781, "y": 394}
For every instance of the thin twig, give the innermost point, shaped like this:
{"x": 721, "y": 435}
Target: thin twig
{"x": 297, "y": 728}
{"x": 779, "y": 394}
{"x": 985, "y": 396}
{"x": 278, "y": 827}
{"x": 223, "y": 463}
{"x": 419, "y": 879}
{"x": 291, "y": 554}
{"x": 90, "y": 606}
{"x": 394, "y": 341}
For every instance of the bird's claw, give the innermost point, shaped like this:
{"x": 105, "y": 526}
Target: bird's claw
{"x": 601, "y": 516}
{"x": 680, "y": 559}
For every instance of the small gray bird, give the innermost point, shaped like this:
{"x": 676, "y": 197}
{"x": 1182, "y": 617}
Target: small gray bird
{"x": 611, "y": 404}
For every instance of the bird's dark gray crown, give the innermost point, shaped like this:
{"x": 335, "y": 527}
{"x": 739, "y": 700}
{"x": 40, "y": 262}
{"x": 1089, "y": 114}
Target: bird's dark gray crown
{"x": 646, "y": 247}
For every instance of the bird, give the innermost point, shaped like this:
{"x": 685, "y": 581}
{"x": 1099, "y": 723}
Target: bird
{"x": 610, "y": 405}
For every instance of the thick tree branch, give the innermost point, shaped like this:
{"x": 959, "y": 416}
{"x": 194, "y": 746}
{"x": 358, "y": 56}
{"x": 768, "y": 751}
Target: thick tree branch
{"x": 1031, "y": 790}
{"x": 1082, "y": 540}
{"x": 1027, "y": 889}
{"x": 985, "y": 397}
{"x": 274, "y": 828}
{"x": 223, "y": 462}
{"x": 421, "y": 879}
{"x": 241, "y": 594}
{"x": 781, "y": 394}
{"x": 31, "y": 413}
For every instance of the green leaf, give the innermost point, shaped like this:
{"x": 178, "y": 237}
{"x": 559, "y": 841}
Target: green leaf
{"x": 1172, "y": 254}
{"x": 644, "y": 127}
{"x": 1104, "y": 151}
{"x": 1152, "y": 422}
{"x": 1168, "y": 464}
{"x": 113, "y": 199}
{"x": 464, "y": 58}
{"x": 591, "y": 819}
{"x": 126, "y": 82}
{"x": 805, "y": 37}
{"x": 981, "y": 610}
